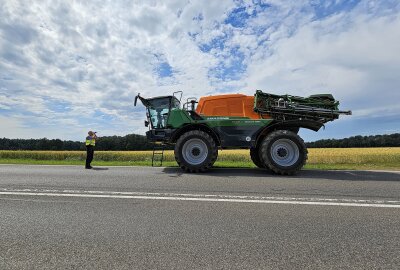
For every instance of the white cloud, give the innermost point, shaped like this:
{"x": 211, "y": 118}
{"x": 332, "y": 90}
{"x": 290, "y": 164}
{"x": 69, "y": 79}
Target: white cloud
{"x": 12, "y": 128}
{"x": 356, "y": 59}
{"x": 80, "y": 64}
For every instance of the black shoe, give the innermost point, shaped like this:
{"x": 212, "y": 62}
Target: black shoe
{"x": 90, "y": 167}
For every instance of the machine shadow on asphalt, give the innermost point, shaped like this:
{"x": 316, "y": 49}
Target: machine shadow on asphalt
{"x": 99, "y": 169}
{"x": 347, "y": 175}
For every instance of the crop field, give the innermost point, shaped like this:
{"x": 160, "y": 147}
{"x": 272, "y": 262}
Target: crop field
{"x": 318, "y": 158}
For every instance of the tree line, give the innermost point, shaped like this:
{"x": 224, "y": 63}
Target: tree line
{"x": 134, "y": 142}
{"x": 392, "y": 140}
{"x": 113, "y": 143}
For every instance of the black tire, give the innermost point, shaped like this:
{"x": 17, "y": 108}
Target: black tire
{"x": 284, "y": 152}
{"x": 195, "y": 151}
{"x": 256, "y": 158}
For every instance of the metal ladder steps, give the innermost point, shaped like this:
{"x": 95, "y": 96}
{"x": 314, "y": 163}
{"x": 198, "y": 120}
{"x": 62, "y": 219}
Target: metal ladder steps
{"x": 158, "y": 151}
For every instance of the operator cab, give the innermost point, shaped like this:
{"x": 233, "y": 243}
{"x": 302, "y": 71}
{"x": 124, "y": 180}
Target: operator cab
{"x": 158, "y": 109}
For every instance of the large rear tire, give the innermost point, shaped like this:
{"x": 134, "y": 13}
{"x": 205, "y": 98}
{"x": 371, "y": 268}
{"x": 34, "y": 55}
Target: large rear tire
{"x": 195, "y": 151}
{"x": 256, "y": 158}
{"x": 284, "y": 152}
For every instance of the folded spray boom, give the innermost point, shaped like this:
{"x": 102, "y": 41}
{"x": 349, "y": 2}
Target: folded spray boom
{"x": 322, "y": 108}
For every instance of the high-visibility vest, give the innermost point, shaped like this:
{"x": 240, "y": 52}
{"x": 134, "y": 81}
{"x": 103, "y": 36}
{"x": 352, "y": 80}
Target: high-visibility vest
{"x": 90, "y": 141}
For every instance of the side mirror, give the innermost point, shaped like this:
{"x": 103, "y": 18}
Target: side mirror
{"x": 136, "y": 99}
{"x": 146, "y": 123}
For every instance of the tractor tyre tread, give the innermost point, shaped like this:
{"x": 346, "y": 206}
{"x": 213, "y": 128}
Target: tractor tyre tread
{"x": 256, "y": 158}
{"x": 212, "y": 150}
{"x": 266, "y": 156}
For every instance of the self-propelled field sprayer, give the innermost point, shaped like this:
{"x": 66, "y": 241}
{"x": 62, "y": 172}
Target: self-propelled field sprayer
{"x": 267, "y": 124}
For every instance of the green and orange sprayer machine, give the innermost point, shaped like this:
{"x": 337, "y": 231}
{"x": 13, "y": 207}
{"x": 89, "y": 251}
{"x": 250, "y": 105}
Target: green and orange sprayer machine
{"x": 267, "y": 124}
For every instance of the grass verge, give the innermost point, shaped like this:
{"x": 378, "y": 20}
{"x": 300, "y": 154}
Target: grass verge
{"x": 322, "y": 158}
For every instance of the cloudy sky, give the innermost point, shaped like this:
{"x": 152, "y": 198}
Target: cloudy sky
{"x": 70, "y": 66}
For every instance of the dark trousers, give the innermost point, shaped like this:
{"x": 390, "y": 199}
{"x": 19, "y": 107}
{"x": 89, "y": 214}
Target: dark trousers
{"x": 89, "y": 155}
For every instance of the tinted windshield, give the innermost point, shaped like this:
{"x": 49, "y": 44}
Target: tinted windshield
{"x": 159, "y": 110}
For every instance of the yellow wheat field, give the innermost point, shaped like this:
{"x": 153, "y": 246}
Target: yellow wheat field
{"x": 332, "y": 155}
{"x": 315, "y": 155}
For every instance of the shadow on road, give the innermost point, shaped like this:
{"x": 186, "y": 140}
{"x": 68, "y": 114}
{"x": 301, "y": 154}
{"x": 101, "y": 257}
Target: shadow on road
{"x": 99, "y": 169}
{"x": 348, "y": 175}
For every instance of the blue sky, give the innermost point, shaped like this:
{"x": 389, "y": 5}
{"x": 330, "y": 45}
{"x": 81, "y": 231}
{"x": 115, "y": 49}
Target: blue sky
{"x": 67, "y": 67}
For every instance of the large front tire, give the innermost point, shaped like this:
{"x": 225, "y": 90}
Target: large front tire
{"x": 284, "y": 152}
{"x": 256, "y": 157}
{"x": 195, "y": 151}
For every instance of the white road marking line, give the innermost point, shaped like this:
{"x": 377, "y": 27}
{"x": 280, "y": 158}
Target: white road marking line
{"x": 200, "y": 195}
{"x": 36, "y": 200}
{"x": 202, "y": 198}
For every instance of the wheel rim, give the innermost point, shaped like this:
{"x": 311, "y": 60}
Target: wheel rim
{"x": 285, "y": 152}
{"x": 194, "y": 151}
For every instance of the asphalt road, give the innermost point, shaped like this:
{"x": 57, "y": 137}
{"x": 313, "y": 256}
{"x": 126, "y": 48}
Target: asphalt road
{"x": 65, "y": 217}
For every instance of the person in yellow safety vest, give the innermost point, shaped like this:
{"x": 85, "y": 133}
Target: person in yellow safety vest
{"x": 90, "y": 144}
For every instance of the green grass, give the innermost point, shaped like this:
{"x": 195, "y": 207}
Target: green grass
{"x": 388, "y": 166}
{"x": 218, "y": 164}
{"x": 322, "y": 159}
{"x": 224, "y": 164}
{"x": 78, "y": 162}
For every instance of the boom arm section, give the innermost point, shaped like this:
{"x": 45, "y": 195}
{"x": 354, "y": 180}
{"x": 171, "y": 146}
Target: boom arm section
{"x": 321, "y": 108}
